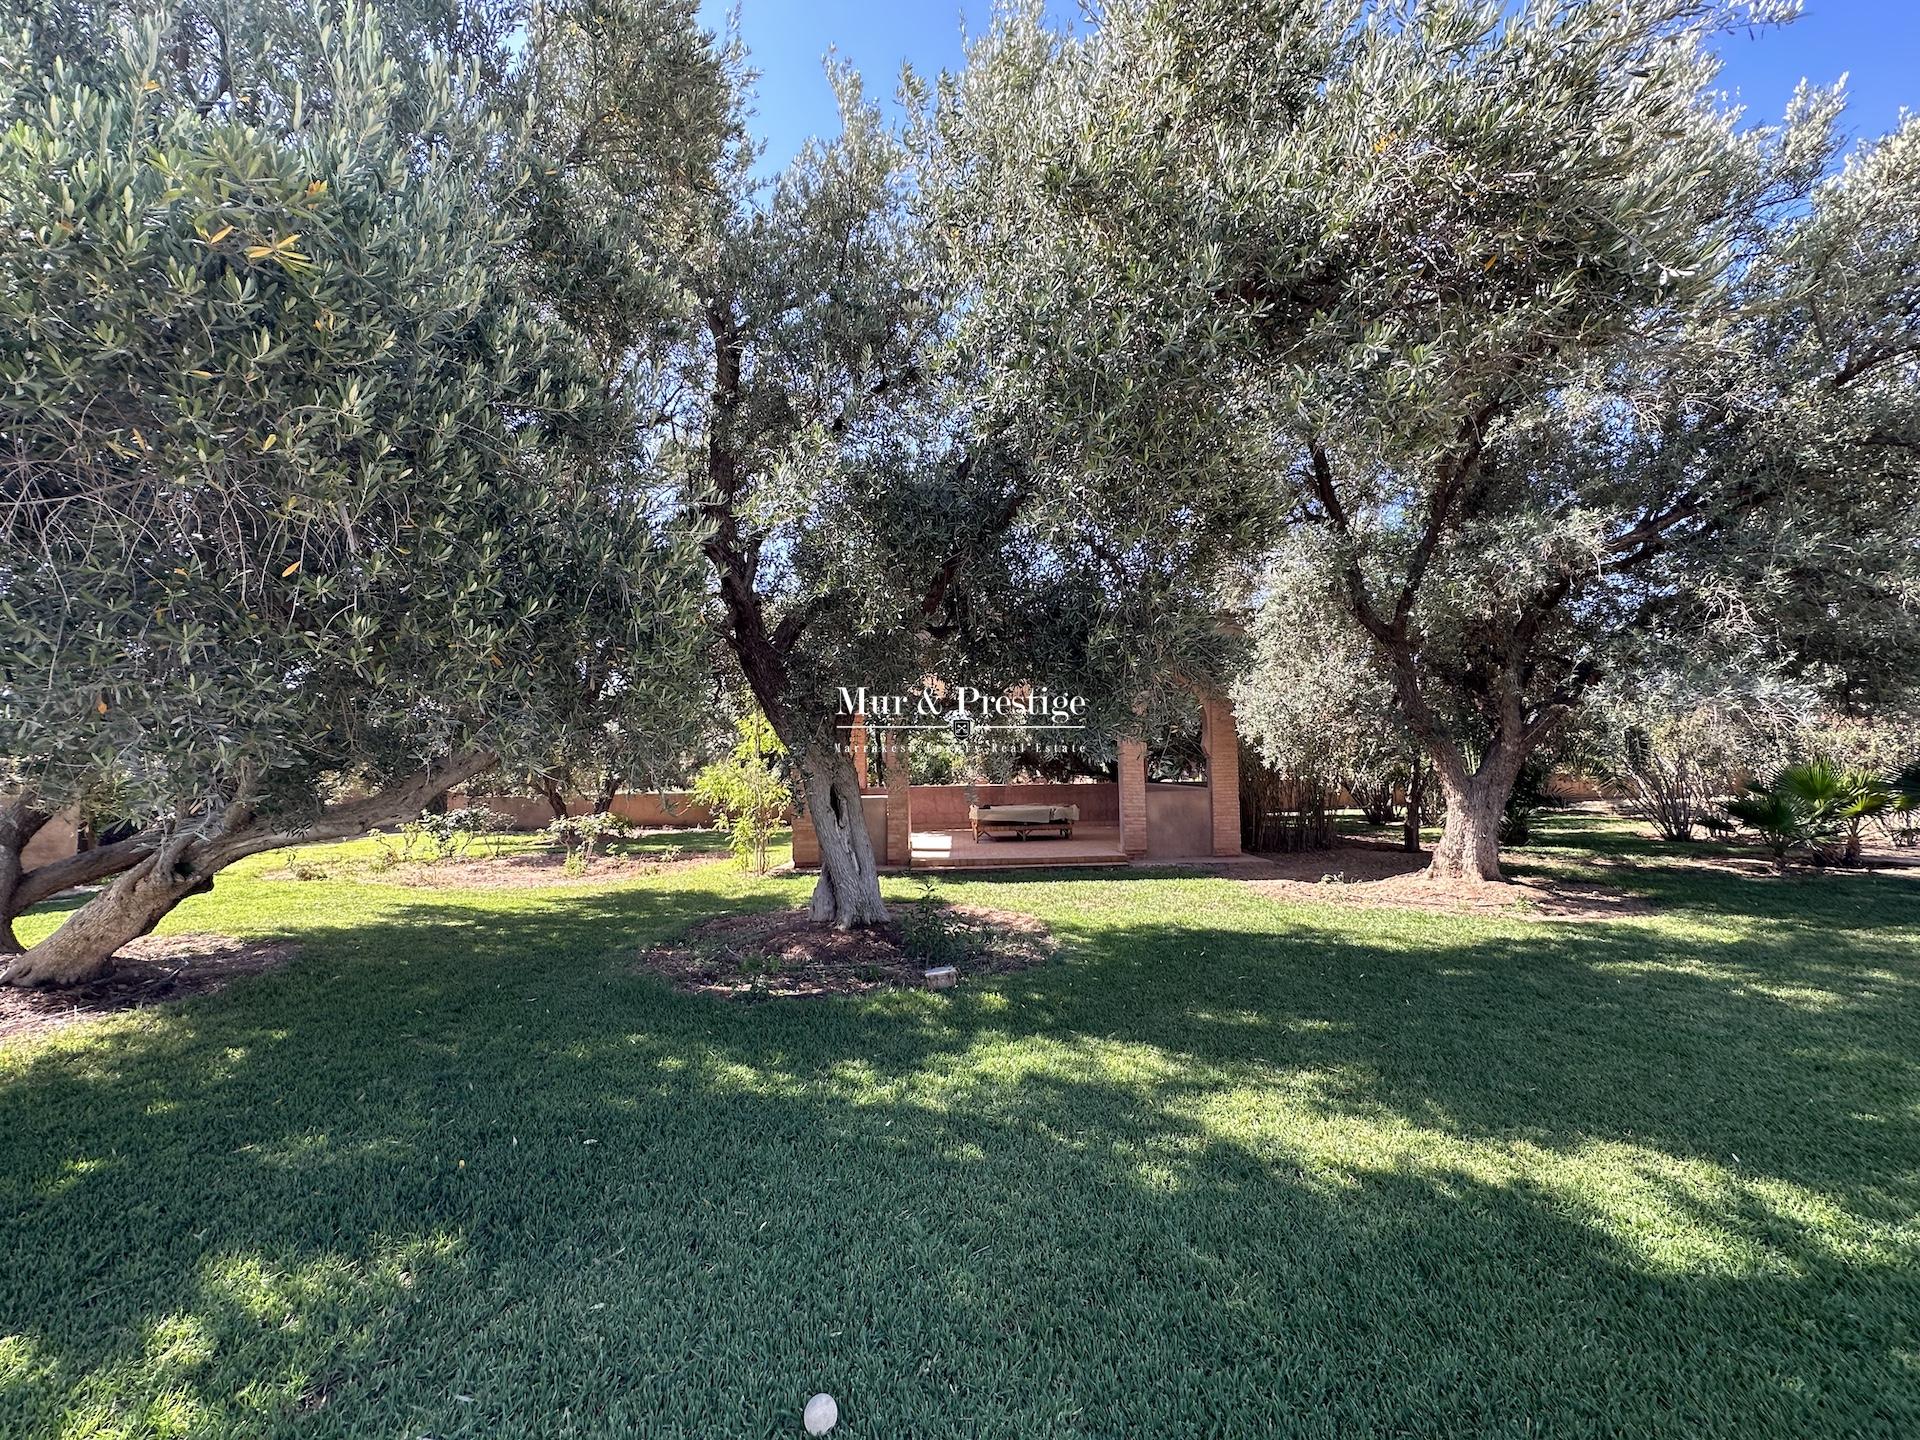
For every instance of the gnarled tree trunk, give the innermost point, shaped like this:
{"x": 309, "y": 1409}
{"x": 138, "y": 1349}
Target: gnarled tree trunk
{"x": 1469, "y": 848}
{"x": 1416, "y": 803}
{"x": 82, "y": 949}
{"x": 848, "y": 890}
{"x": 154, "y": 873}
{"x": 20, "y": 821}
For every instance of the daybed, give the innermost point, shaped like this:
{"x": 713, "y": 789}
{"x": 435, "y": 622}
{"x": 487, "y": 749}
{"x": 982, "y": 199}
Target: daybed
{"x": 1023, "y": 820}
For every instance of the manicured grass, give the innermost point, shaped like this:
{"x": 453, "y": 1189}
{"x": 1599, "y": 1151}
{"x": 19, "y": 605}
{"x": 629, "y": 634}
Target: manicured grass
{"x": 1228, "y": 1167}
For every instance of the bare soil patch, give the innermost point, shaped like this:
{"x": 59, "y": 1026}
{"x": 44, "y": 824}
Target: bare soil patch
{"x": 782, "y": 954}
{"x": 521, "y": 870}
{"x": 1387, "y": 877}
{"x": 155, "y": 970}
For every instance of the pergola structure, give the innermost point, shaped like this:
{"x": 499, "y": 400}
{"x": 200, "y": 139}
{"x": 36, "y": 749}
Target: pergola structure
{"x": 1125, "y": 820}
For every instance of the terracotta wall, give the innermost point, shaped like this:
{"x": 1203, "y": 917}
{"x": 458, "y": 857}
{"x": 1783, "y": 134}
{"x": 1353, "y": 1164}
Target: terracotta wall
{"x": 54, "y": 840}
{"x": 1574, "y": 788}
{"x": 1180, "y": 822}
{"x": 944, "y": 807}
{"x": 674, "y": 808}
{"x": 806, "y": 845}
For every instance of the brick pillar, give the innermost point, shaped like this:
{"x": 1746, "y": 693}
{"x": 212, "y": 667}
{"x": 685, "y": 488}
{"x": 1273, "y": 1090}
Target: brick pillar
{"x": 806, "y": 844}
{"x": 857, "y": 742}
{"x": 1221, "y": 740}
{"x": 1133, "y": 796}
{"x": 893, "y": 749}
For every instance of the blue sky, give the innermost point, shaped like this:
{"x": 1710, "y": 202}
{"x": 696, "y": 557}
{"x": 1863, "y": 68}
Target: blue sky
{"x": 1877, "y": 42}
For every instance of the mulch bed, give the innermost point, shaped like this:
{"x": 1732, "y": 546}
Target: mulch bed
{"x": 782, "y": 954}
{"x": 151, "y": 971}
{"x": 1387, "y": 877}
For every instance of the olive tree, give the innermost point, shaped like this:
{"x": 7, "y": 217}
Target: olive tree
{"x": 1314, "y": 701}
{"x": 862, "y": 529}
{"x": 793, "y": 341}
{"x": 1504, "y": 301}
{"x": 299, "y": 477}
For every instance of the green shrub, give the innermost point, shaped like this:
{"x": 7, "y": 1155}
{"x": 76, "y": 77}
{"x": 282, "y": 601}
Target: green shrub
{"x": 747, "y": 793}
{"x": 931, "y": 934}
{"x": 1530, "y": 795}
{"x": 1815, "y": 808}
{"x": 1901, "y": 817}
{"x": 583, "y": 835}
{"x": 432, "y": 838}
{"x": 1774, "y": 815}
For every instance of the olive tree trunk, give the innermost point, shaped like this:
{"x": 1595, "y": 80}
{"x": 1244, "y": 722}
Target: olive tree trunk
{"x": 1416, "y": 803}
{"x": 848, "y": 890}
{"x": 604, "y": 796}
{"x": 153, "y": 873}
{"x": 1469, "y": 848}
{"x": 20, "y": 821}
{"x": 82, "y": 949}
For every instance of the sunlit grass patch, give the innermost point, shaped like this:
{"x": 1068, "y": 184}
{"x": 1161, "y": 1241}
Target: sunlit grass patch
{"x": 1224, "y": 1165}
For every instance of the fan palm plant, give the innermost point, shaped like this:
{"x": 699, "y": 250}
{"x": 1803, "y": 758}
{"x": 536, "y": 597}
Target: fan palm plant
{"x": 1817, "y": 806}
{"x": 1864, "y": 795}
{"x": 1837, "y": 804}
{"x": 1776, "y": 815}
{"x": 1901, "y": 816}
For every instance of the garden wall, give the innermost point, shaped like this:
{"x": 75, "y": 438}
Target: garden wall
{"x": 1179, "y": 821}
{"x": 655, "y": 810}
{"x": 55, "y": 840}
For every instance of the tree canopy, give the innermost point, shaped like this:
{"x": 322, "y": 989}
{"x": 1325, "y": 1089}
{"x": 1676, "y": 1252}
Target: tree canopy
{"x": 307, "y": 494}
{"x": 1504, "y": 302}
{"x": 388, "y": 392}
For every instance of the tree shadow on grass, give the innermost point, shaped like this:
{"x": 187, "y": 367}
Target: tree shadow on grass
{"x": 61, "y": 904}
{"x": 1225, "y": 1168}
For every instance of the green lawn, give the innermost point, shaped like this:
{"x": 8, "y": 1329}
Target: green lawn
{"x": 1226, "y": 1168}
